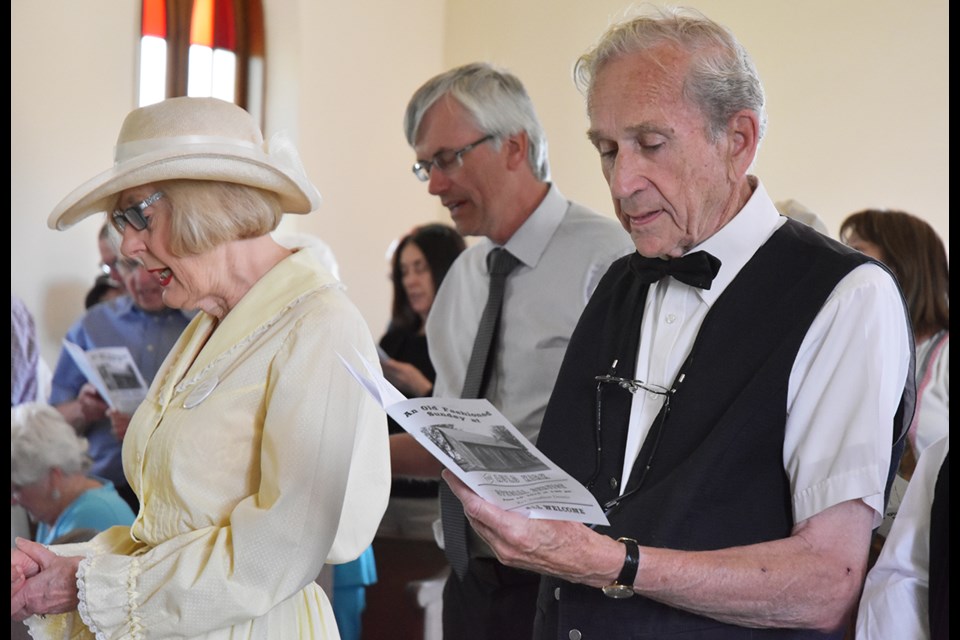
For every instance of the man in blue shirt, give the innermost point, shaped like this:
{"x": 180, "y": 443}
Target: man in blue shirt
{"x": 138, "y": 321}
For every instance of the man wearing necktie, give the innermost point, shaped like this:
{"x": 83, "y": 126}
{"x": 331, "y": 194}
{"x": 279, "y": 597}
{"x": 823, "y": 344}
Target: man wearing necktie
{"x": 732, "y": 392}
{"x": 503, "y": 316}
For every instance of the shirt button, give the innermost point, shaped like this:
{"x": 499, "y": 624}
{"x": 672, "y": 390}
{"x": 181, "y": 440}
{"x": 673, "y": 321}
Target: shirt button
{"x": 149, "y": 347}
{"x": 614, "y": 483}
{"x": 671, "y": 318}
{"x": 574, "y": 634}
{"x": 556, "y": 593}
{"x": 139, "y": 458}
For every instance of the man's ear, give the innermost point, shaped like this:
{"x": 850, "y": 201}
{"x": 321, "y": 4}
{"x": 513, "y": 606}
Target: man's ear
{"x": 743, "y": 134}
{"x": 516, "y": 148}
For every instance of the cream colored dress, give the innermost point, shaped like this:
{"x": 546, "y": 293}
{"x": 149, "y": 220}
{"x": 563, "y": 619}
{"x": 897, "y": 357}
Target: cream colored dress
{"x": 257, "y": 459}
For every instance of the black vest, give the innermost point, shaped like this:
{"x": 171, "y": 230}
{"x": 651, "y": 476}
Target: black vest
{"x": 716, "y": 477}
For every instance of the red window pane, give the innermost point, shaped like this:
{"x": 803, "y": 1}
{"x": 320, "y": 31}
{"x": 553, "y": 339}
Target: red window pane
{"x": 224, "y": 26}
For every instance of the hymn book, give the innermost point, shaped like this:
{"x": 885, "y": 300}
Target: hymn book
{"x": 485, "y": 451}
{"x": 114, "y": 373}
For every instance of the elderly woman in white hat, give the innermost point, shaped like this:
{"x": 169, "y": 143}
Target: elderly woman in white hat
{"x": 256, "y": 456}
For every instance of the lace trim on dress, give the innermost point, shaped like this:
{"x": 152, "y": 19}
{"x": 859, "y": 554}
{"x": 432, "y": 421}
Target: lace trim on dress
{"x": 133, "y": 620}
{"x": 82, "y": 595}
{"x": 253, "y": 335}
{"x": 133, "y": 596}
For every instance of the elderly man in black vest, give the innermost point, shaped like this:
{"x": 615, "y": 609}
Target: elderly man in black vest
{"x": 734, "y": 391}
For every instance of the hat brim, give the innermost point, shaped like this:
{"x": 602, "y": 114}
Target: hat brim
{"x": 203, "y": 162}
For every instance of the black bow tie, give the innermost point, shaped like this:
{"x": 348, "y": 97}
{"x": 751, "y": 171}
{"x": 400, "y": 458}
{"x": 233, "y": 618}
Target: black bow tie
{"x": 697, "y": 269}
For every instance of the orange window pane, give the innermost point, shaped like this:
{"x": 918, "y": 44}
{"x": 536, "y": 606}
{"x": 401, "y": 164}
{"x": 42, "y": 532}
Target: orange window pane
{"x": 201, "y": 25}
{"x": 153, "y": 18}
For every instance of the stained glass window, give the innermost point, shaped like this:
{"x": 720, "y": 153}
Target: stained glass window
{"x": 202, "y": 48}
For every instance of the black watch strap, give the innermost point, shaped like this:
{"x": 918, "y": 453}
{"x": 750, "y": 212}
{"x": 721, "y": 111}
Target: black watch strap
{"x": 622, "y": 587}
{"x": 630, "y": 564}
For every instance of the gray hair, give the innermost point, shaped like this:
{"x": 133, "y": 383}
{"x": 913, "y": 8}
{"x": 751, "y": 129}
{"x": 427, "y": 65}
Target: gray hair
{"x": 41, "y": 440}
{"x": 495, "y": 99}
{"x": 722, "y": 79}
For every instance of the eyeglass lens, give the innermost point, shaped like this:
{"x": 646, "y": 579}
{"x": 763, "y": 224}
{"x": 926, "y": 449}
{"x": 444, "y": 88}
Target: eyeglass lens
{"x": 445, "y": 160}
{"x": 134, "y": 214}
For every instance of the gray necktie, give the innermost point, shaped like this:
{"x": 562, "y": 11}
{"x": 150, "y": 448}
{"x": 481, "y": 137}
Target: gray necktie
{"x": 500, "y": 263}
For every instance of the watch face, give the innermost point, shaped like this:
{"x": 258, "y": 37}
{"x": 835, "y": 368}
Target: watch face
{"x": 617, "y": 591}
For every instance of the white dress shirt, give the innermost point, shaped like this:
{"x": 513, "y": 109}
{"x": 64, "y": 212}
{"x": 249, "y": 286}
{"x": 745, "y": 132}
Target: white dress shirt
{"x": 895, "y": 601}
{"x": 846, "y": 381}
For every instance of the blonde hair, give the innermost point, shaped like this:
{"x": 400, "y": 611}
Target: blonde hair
{"x": 208, "y": 213}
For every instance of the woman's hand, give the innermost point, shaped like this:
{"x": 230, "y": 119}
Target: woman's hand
{"x": 17, "y": 580}
{"x": 22, "y": 567}
{"x": 407, "y": 378}
{"x": 47, "y": 583}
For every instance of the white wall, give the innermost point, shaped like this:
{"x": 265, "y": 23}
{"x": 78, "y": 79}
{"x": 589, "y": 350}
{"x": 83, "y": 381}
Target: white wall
{"x": 72, "y": 81}
{"x": 857, "y": 93}
{"x": 358, "y": 63}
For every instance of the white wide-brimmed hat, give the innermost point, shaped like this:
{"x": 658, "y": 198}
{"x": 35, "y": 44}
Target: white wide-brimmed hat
{"x": 194, "y": 139}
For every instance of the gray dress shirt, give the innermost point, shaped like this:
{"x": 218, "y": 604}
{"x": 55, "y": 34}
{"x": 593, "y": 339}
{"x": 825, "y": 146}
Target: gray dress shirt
{"x": 564, "y": 250}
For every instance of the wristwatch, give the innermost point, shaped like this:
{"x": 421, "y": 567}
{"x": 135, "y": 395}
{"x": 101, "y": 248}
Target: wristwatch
{"x": 622, "y": 587}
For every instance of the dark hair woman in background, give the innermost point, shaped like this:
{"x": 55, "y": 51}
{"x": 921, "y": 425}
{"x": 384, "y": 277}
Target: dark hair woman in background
{"x": 404, "y": 547}
{"x": 419, "y": 264}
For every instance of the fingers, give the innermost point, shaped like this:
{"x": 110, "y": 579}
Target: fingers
{"x": 36, "y": 552}
{"x": 22, "y": 563}
{"x": 90, "y": 397}
{"x": 476, "y": 508}
{"x": 472, "y": 503}
{"x": 119, "y": 423}
{"x": 89, "y": 392}
{"x": 16, "y": 578}
{"x": 53, "y": 589}
{"x": 451, "y": 479}
{"x": 17, "y": 603}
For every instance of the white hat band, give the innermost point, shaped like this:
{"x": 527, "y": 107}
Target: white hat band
{"x": 282, "y": 153}
{"x": 130, "y": 150}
